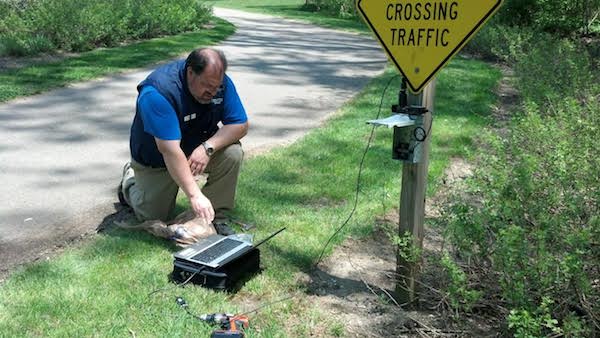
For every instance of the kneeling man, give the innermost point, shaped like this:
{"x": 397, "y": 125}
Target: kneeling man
{"x": 188, "y": 121}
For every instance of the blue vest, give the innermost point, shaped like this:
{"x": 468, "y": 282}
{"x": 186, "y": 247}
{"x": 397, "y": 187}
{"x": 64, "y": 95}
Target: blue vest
{"x": 170, "y": 81}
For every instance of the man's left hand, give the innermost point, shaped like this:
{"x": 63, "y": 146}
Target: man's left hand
{"x": 198, "y": 161}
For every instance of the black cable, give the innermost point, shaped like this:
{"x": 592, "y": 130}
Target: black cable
{"x": 176, "y": 285}
{"x": 359, "y": 175}
{"x": 181, "y": 302}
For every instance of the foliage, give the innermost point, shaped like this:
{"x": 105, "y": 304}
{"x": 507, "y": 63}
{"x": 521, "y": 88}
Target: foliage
{"x": 528, "y": 325}
{"x": 460, "y": 295}
{"x": 531, "y": 212}
{"x": 554, "y": 69}
{"x": 511, "y": 44}
{"x": 14, "y": 36}
{"x": 556, "y": 16}
{"x": 407, "y": 249}
{"x": 501, "y": 42}
{"x": 340, "y": 8}
{"x": 34, "y": 26}
{"x": 517, "y": 12}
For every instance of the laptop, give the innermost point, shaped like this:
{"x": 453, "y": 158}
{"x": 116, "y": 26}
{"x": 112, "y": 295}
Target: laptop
{"x": 217, "y": 250}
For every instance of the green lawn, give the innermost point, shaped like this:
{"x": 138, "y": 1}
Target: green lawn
{"x": 103, "y": 287}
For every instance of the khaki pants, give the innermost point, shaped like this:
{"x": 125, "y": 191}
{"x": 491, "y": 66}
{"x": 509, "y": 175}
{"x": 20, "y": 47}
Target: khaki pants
{"x": 152, "y": 193}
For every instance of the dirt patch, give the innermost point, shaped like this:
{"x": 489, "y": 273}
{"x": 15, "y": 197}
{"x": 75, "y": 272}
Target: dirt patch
{"x": 508, "y": 100}
{"x": 452, "y": 181}
{"x": 355, "y": 285}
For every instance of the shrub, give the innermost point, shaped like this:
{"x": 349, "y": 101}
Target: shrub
{"x": 517, "y": 12}
{"x": 557, "y": 16}
{"x": 532, "y": 212}
{"x": 530, "y": 215}
{"x": 339, "y": 8}
{"x": 531, "y": 325}
{"x": 565, "y": 16}
{"x": 501, "y": 42}
{"x": 32, "y": 26}
{"x": 554, "y": 69}
{"x": 15, "y": 38}
{"x": 460, "y": 296}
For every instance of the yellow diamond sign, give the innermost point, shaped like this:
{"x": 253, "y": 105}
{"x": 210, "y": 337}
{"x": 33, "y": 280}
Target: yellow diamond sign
{"x": 421, "y": 36}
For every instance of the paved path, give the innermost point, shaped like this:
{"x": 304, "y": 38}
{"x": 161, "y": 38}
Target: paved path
{"x": 61, "y": 153}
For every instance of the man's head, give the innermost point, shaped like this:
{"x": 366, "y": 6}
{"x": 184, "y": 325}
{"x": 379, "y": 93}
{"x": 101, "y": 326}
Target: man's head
{"x": 205, "y": 68}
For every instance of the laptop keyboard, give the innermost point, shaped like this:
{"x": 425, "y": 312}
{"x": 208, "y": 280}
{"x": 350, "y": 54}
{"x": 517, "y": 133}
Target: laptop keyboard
{"x": 216, "y": 250}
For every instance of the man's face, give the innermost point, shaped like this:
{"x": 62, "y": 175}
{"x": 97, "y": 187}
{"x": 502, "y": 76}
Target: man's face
{"x": 204, "y": 86}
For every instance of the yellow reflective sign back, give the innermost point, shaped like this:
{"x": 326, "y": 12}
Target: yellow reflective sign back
{"x": 421, "y": 36}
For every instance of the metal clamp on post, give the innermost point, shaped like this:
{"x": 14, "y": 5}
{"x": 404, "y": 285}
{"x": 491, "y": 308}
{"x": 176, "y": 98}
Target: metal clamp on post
{"x": 403, "y": 107}
{"x": 409, "y": 110}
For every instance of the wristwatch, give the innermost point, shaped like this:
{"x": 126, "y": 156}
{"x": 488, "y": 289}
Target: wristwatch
{"x": 208, "y": 148}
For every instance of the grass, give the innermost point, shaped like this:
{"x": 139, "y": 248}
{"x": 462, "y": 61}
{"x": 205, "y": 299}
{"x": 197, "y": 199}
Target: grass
{"x": 102, "y": 288}
{"x": 34, "y": 79}
{"x": 293, "y": 9}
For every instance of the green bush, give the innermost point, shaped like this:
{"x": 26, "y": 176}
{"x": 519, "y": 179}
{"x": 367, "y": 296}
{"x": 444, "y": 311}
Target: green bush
{"x": 517, "y": 12}
{"x": 458, "y": 292}
{"x": 554, "y": 69}
{"x": 565, "y": 16}
{"x": 501, "y": 42}
{"x": 530, "y": 216}
{"x": 339, "y": 8}
{"x": 14, "y": 36}
{"x": 531, "y": 325}
{"x": 532, "y": 212}
{"x": 21, "y": 46}
{"x": 556, "y": 16}
{"x": 32, "y": 26}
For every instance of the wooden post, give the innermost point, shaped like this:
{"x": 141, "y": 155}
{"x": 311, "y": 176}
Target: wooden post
{"x": 412, "y": 204}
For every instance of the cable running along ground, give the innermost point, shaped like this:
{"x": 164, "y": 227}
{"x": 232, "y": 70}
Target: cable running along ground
{"x": 176, "y": 285}
{"x": 359, "y": 174}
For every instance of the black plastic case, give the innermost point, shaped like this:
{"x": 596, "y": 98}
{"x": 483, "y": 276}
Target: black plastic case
{"x": 228, "y": 277}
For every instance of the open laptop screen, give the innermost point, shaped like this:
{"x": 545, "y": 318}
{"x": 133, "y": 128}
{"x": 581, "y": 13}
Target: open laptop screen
{"x": 214, "y": 252}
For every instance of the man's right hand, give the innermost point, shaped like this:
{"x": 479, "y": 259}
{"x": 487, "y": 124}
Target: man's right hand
{"x": 202, "y": 207}
{"x": 180, "y": 171}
